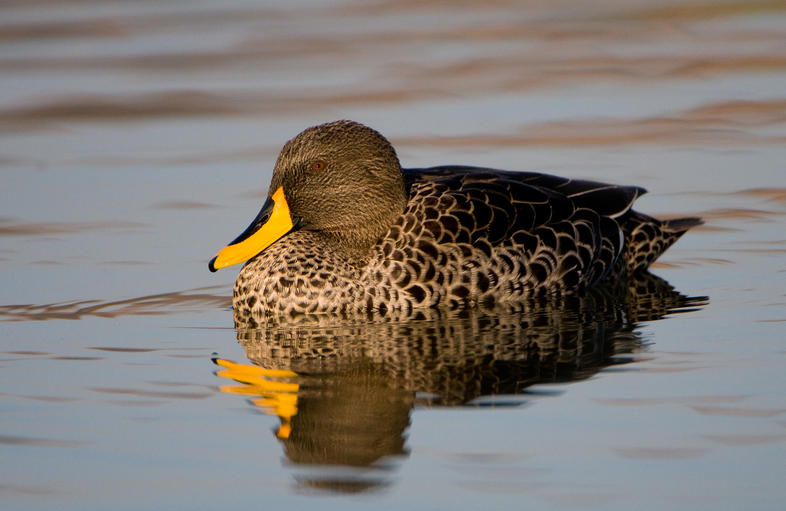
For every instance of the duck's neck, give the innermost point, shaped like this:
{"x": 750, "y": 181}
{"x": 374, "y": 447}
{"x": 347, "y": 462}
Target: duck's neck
{"x": 356, "y": 242}
{"x": 355, "y": 246}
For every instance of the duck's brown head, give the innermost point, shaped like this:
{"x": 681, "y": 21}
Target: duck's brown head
{"x": 342, "y": 179}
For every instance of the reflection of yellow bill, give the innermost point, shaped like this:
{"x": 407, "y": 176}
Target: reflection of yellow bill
{"x": 274, "y": 397}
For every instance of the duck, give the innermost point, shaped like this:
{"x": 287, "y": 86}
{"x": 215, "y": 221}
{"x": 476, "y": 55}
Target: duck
{"x": 346, "y": 229}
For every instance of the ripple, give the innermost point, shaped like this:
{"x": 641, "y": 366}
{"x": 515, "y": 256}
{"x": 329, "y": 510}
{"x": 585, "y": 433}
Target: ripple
{"x": 661, "y": 453}
{"x": 152, "y": 393}
{"x": 183, "y": 204}
{"x": 650, "y": 401}
{"x": 164, "y": 303}
{"x": 37, "y": 441}
{"x": 9, "y": 227}
{"x": 122, "y": 349}
{"x": 739, "y": 412}
{"x": 713, "y": 124}
{"x": 746, "y": 439}
{"x": 26, "y": 489}
{"x": 770, "y": 194}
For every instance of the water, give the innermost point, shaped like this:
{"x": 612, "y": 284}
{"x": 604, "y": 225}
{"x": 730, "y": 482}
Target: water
{"x": 137, "y": 139}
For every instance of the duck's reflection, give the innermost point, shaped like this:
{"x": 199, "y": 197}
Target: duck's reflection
{"x": 343, "y": 388}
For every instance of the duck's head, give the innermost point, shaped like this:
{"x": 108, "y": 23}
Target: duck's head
{"x": 342, "y": 179}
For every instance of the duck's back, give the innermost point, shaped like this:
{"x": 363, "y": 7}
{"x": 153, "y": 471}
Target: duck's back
{"x": 477, "y": 235}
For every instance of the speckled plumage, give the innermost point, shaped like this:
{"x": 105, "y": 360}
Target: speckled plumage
{"x": 462, "y": 235}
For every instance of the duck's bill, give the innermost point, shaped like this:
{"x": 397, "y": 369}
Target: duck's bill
{"x": 272, "y": 222}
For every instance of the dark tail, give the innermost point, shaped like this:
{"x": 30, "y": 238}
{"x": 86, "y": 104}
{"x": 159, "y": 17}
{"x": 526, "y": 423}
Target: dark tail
{"x": 646, "y": 238}
{"x": 680, "y": 226}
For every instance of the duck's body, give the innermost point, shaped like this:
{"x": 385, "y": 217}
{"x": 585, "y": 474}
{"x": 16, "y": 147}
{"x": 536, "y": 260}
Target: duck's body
{"x": 444, "y": 236}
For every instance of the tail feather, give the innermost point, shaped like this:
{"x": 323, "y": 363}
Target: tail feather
{"x": 680, "y": 225}
{"x": 646, "y": 238}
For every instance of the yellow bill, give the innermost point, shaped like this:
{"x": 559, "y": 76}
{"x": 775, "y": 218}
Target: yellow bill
{"x": 272, "y": 222}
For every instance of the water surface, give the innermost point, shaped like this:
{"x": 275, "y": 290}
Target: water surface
{"x": 137, "y": 139}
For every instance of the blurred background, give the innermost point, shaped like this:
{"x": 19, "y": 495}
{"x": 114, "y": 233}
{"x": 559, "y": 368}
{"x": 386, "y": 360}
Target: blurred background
{"x": 137, "y": 138}
{"x": 122, "y": 120}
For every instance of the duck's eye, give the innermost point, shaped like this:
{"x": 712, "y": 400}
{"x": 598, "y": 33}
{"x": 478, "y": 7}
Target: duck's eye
{"x": 318, "y": 166}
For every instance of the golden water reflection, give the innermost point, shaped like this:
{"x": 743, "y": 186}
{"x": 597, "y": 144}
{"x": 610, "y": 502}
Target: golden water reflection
{"x": 343, "y": 391}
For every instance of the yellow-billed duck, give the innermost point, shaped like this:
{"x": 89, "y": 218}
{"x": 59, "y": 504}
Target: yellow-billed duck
{"x": 345, "y": 229}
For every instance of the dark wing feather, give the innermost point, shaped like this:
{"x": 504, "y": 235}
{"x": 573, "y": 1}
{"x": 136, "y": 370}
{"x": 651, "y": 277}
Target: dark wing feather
{"x": 473, "y": 234}
{"x": 605, "y": 199}
{"x": 562, "y": 229}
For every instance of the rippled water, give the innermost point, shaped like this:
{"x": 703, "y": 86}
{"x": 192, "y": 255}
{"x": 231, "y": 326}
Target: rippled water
{"x": 137, "y": 138}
